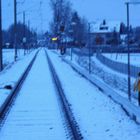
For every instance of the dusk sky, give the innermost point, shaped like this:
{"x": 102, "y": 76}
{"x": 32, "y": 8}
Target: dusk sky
{"x": 39, "y": 11}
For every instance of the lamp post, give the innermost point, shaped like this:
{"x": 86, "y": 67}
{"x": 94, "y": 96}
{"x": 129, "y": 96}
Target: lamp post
{"x": 71, "y": 50}
{"x": 128, "y": 46}
{"x": 72, "y": 24}
{"x": 1, "y": 65}
{"x": 15, "y": 29}
{"x": 89, "y": 51}
{"x": 24, "y": 34}
{"x": 29, "y": 36}
{"x": 128, "y": 49}
{"x": 89, "y": 45}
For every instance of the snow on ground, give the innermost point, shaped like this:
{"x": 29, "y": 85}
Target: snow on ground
{"x": 11, "y": 74}
{"x": 98, "y": 116}
{"x": 35, "y": 114}
{"x": 123, "y": 58}
{"x": 116, "y": 80}
{"x": 8, "y": 55}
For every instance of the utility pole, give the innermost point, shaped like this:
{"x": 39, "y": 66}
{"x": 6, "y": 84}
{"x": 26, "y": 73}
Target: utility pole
{"x": 29, "y": 36}
{"x": 128, "y": 44}
{"x": 24, "y": 34}
{"x": 1, "y": 65}
{"x": 29, "y": 28}
{"x": 128, "y": 47}
{"x": 89, "y": 47}
{"x": 24, "y": 23}
{"x": 15, "y": 28}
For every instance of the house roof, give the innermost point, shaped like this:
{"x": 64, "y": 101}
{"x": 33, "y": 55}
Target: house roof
{"x": 99, "y": 27}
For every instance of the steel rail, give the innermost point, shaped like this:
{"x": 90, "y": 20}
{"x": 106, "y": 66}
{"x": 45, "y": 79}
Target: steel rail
{"x": 74, "y": 128}
{"x": 14, "y": 92}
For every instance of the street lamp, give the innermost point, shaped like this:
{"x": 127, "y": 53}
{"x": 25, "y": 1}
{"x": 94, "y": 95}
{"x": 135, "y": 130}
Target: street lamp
{"x": 128, "y": 46}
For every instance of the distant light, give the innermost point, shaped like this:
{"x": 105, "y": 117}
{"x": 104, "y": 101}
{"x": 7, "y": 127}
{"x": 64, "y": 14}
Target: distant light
{"x": 54, "y": 39}
{"x": 73, "y": 23}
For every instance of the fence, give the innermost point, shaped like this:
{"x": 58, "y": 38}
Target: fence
{"x": 117, "y": 66}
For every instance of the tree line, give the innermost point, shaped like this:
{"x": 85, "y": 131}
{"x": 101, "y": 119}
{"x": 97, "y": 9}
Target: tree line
{"x": 22, "y": 32}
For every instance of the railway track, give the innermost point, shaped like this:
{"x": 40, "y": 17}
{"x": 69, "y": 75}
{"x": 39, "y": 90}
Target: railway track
{"x": 4, "y": 109}
{"x": 65, "y": 104}
{"x": 26, "y": 108}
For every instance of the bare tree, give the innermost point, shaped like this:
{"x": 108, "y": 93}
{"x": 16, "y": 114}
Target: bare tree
{"x": 61, "y": 14}
{"x": 66, "y": 20}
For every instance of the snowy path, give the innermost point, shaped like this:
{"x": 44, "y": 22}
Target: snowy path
{"x": 35, "y": 114}
{"x": 98, "y": 116}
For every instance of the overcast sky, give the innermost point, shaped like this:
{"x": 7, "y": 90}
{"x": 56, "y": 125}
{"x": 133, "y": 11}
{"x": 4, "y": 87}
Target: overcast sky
{"x": 39, "y": 12}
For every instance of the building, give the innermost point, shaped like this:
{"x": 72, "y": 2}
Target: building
{"x": 103, "y": 33}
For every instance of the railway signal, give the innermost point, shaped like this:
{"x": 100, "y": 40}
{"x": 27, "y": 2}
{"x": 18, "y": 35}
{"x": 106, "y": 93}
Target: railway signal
{"x": 62, "y": 28}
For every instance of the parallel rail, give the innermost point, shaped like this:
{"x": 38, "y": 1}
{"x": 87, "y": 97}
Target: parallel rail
{"x": 71, "y": 122}
{"x": 12, "y": 96}
{"x": 73, "y": 126}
